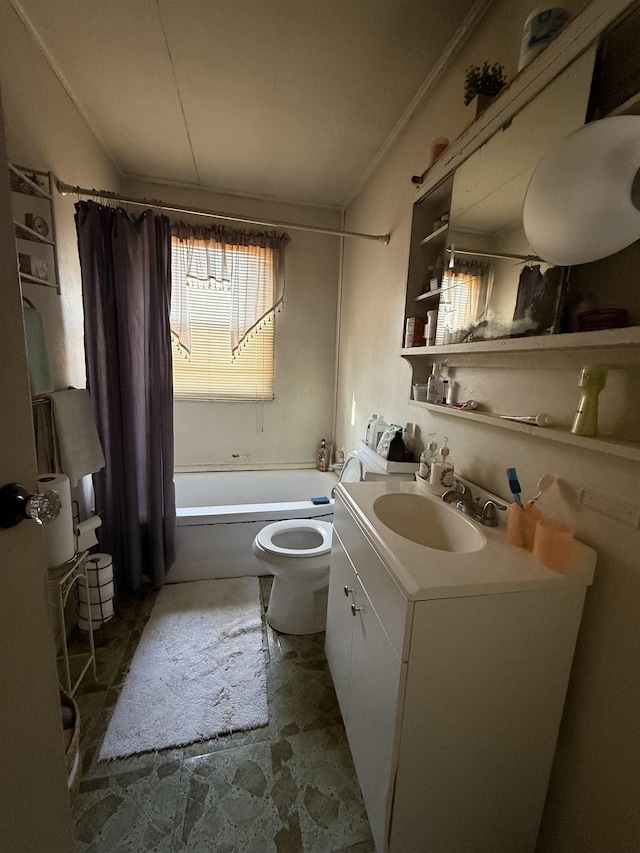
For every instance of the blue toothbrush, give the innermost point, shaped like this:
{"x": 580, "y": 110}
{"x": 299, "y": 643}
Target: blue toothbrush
{"x": 514, "y": 485}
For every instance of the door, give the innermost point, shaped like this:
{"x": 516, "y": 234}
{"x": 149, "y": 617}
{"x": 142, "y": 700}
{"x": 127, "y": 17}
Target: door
{"x": 375, "y": 688}
{"x": 342, "y": 585}
{"x": 34, "y": 803}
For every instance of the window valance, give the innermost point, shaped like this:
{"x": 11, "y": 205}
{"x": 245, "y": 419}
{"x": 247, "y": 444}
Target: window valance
{"x": 247, "y": 264}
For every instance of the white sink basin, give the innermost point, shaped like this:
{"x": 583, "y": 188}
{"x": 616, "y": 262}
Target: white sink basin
{"x": 427, "y": 522}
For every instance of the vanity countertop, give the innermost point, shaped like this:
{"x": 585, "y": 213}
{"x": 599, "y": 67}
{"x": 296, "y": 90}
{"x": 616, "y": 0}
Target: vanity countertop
{"x": 426, "y": 573}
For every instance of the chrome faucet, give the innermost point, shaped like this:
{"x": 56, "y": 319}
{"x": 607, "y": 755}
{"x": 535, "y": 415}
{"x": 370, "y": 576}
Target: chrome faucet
{"x": 466, "y": 503}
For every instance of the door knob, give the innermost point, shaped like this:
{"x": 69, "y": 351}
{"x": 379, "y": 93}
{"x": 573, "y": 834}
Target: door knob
{"x": 348, "y": 590}
{"x": 355, "y": 608}
{"x": 17, "y": 504}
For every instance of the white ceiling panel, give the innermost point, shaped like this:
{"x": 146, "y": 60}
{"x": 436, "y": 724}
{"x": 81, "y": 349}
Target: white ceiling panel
{"x": 289, "y": 99}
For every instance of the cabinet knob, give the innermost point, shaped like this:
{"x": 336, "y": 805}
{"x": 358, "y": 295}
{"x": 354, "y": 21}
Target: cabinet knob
{"x": 355, "y": 608}
{"x": 16, "y": 504}
{"x": 348, "y": 590}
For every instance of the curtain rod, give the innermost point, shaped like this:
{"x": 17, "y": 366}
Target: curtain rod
{"x": 506, "y": 256}
{"x": 67, "y": 189}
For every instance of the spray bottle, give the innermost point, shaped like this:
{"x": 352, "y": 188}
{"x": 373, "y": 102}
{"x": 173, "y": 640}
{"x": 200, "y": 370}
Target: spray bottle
{"x": 592, "y": 380}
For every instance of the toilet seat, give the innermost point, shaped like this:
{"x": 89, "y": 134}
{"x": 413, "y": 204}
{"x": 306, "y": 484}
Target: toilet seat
{"x": 323, "y": 528}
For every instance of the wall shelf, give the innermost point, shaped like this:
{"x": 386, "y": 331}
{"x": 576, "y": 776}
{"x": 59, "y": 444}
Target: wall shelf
{"x": 602, "y": 444}
{"x": 32, "y": 200}
{"x": 26, "y": 233}
{"x": 429, "y": 294}
{"x": 434, "y": 234}
{"x": 602, "y": 339}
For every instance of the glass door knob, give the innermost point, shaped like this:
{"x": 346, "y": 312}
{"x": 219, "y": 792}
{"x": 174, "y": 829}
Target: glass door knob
{"x": 16, "y": 504}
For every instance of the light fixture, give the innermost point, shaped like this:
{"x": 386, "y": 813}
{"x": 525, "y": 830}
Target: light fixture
{"x": 583, "y": 199}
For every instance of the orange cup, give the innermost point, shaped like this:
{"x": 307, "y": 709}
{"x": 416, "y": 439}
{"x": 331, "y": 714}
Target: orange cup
{"x": 521, "y": 525}
{"x": 553, "y": 543}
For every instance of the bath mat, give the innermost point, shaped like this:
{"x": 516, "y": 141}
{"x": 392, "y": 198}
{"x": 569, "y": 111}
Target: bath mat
{"x": 198, "y": 671}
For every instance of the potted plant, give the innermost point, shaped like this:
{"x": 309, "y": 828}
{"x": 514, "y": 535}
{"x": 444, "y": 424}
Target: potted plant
{"x": 481, "y": 85}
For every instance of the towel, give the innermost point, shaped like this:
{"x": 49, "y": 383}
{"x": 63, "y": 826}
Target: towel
{"x": 37, "y": 355}
{"x": 45, "y": 438}
{"x": 79, "y": 448}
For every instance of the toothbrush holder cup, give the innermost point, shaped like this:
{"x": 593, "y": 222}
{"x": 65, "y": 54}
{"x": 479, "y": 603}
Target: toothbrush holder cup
{"x": 521, "y": 525}
{"x": 553, "y": 543}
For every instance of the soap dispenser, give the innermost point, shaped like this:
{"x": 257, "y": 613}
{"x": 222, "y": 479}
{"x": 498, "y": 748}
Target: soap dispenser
{"x": 426, "y": 458}
{"x": 442, "y": 469}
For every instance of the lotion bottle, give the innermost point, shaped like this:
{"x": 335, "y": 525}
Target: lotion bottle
{"x": 434, "y": 385}
{"x": 323, "y": 456}
{"x": 426, "y": 458}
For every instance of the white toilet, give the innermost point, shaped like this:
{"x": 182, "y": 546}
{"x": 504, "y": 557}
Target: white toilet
{"x": 297, "y": 553}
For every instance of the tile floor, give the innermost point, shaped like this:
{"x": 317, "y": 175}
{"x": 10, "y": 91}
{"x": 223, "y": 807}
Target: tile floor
{"x": 288, "y": 787}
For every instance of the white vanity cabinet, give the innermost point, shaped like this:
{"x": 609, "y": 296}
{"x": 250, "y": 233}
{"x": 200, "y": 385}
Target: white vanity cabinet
{"x": 451, "y": 703}
{"x": 368, "y": 674}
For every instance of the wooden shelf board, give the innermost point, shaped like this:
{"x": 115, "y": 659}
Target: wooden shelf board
{"x": 601, "y": 444}
{"x": 21, "y": 183}
{"x": 32, "y": 279}
{"x": 434, "y": 234}
{"x": 428, "y": 294}
{"x": 602, "y": 339}
{"x": 23, "y": 232}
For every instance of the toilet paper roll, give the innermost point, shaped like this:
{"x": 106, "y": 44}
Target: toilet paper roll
{"x": 59, "y": 539}
{"x": 86, "y": 532}
{"x": 99, "y": 569}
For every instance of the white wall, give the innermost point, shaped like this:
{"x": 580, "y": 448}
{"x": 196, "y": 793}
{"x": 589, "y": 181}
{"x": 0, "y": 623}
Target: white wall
{"x": 595, "y": 785}
{"x": 45, "y": 131}
{"x": 284, "y": 432}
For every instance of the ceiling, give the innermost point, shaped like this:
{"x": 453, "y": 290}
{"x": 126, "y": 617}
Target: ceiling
{"x": 285, "y": 99}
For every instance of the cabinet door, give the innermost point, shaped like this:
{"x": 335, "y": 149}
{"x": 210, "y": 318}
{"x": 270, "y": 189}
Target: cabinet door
{"x": 375, "y": 692}
{"x": 340, "y": 621}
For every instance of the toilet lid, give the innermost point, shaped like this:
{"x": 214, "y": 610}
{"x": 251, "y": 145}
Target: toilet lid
{"x": 324, "y": 528}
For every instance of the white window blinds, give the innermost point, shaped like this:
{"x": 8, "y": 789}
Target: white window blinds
{"x": 209, "y": 371}
{"x": 462, "y": 292}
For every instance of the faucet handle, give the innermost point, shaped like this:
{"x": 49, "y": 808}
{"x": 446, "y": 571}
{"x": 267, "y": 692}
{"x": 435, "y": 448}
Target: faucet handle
{"x": 464, "y": 490}
{"x": 488, "y": 514}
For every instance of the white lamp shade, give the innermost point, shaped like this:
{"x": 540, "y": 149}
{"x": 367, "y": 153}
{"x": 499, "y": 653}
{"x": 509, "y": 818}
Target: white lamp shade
{"x": 578, "y": 205}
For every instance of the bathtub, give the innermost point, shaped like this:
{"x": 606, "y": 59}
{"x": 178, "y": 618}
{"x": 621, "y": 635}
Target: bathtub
{"x": 220, "y": 513}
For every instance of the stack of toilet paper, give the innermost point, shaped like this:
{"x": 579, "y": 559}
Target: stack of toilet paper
{"x": 99, "y": 605}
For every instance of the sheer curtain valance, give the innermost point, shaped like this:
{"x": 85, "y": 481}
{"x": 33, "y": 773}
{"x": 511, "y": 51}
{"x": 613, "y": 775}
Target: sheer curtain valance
{"x": 247, "y": 264}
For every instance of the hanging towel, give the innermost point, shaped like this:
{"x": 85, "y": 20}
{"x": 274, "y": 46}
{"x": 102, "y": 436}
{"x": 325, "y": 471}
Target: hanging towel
{"x": 79, "y": 448}
{"x": 45, "y": 437}
{"x": 37, "y": 355}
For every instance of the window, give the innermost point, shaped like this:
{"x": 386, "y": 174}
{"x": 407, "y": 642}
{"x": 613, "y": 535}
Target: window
{"x": 462, "y": 290}
{"x": 224, "y": 296}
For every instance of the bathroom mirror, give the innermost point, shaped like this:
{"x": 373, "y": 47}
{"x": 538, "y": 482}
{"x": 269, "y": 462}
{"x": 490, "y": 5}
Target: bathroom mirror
{"x": 514, "y": 296}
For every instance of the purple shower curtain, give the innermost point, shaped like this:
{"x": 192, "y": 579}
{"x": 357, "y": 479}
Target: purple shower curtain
{"x": 126, "y": 290}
